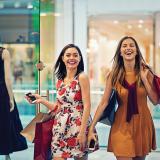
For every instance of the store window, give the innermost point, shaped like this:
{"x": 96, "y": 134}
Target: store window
{"x": 104, "y": 34}
{"x": 19, "y": 33}
{"x": 50, "y": 14}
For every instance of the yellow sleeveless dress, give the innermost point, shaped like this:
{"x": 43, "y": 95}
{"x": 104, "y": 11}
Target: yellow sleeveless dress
{"x": 136, "y": 138}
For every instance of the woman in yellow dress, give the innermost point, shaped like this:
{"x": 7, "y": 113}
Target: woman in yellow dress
{"x": 132, "y": 135}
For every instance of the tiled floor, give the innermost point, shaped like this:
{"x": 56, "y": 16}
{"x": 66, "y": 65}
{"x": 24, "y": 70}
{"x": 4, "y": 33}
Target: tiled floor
{"x": 101, "y": 154}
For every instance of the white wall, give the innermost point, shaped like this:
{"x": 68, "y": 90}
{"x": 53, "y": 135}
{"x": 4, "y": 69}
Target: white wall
{"x": 80, "y": 27}
{"x": 64, "y": 26}
{"x": 122, "y": 6}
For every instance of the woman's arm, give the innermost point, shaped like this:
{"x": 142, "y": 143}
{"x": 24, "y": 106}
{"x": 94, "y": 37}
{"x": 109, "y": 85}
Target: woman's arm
{"x": 7, "y": 74}
{"x": 51, "y": 106}
{"x": 103, "y": 103}
{"x": 147, "y": 78}
{"x": 85, "y": 91}
{"x": 48, "y": 104}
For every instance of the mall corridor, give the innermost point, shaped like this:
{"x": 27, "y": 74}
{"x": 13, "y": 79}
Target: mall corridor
{"x": 35, "y": 31}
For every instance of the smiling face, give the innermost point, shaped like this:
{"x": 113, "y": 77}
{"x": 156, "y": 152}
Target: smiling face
{"x": 71, "y": 58}
{"x": 128, "y": 50}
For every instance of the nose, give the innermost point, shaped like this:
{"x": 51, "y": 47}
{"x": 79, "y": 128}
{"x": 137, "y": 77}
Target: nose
{"x": 72, "y": 57}
{"x": 128, "y": 49}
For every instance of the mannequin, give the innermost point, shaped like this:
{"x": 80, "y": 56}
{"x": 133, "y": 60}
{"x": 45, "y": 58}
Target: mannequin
{"x": 10, "y": 138}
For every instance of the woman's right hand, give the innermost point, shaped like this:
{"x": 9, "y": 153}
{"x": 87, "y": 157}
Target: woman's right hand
{"x": 37, "y": 101}
{"x": 91, "y": 135}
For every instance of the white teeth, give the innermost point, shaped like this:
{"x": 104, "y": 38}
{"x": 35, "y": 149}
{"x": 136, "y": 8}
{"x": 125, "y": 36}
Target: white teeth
{"x": 128, "y": 53}
{"x": 72, "y": 62}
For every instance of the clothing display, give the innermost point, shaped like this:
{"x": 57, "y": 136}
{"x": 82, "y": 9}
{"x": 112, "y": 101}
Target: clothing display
{"x": 10, "y": 125}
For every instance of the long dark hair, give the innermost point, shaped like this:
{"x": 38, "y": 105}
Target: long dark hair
{"x": 118, "y": 71}
{"x": 60, "y": 68}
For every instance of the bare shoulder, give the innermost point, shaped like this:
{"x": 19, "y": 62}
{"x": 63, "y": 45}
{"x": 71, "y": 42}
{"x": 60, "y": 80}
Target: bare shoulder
{"x": 5, "y": 54}
{"x": 109, "y": 75}
{"x": 84, "y": 81}
{"x": 108, "y": 78}
{"x": 83, "y": 76}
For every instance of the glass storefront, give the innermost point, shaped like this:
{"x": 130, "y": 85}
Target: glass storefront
{"x": 19, "y": 33}
{"x": 104, "y": 34}
{"x": 51, "y": 12}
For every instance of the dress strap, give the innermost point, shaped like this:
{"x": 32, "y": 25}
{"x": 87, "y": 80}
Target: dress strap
{"x": 58, "y": 84}
{"x": 77, "y": 76}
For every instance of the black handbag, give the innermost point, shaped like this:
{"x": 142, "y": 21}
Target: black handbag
{"x": 109, "y": 113}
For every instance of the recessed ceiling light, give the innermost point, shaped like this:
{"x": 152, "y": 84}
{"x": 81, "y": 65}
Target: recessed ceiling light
{"x": 43, "y": 14}
{"x": 140, "y": 26}
{"x": 115, "y": 22}
{"x": 29, "y": 6}
{"x": 17, "y": 4}
{"x": 57, "y": 14}
{"x": 141, "y": 21}
{"x": 130, "y": 26}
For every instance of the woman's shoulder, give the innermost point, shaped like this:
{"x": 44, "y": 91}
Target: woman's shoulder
{"x": 109, "y": 75}
{"x": 82, "y": 76}
{"x": 58, "y": 83}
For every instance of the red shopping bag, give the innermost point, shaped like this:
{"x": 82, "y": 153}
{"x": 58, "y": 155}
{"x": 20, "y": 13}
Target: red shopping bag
{"x": 156, "y": 81}
{"x": 42, "y": 141}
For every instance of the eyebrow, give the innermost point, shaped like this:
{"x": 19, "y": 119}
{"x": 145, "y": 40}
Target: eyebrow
{"x": 70, "y": 53}
{"x": 129, "y": 43}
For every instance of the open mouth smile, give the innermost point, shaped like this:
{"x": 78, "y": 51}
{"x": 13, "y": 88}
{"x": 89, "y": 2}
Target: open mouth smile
{"x": 128, "y": 52}
{"x": 72, "y": 62}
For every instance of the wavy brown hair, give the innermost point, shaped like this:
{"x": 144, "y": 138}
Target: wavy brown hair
{"x": 118, "y": 70}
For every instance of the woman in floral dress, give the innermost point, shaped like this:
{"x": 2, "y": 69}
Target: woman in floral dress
{"x": 72, "y": 119}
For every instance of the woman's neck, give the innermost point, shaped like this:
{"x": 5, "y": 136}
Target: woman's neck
{"x": 129, "y": 66}
{"x": 70, "y": 74}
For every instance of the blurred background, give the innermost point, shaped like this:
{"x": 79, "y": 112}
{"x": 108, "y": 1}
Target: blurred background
{"x": 37, "y": 30}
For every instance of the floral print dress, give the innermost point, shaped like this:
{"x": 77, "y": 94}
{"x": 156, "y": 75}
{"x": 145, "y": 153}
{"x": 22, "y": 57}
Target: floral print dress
{"x": 67, "y": 121}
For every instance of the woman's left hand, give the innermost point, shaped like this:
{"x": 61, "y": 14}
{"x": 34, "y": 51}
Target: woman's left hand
{"x": 82, "y": 140}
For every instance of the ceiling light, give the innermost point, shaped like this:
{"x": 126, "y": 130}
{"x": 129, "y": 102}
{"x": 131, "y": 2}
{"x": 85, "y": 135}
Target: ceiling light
{"x": 29, "y": 6}
{"x": 140, "y": 26}
{"x": 141, "y": 21}
{"x": 17, "y": 4}
{"x": 43, "y": 14}
{"x": 115, "y": 22}
{"x": 57, "y": 14}
{"x": 129, "y": 26}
